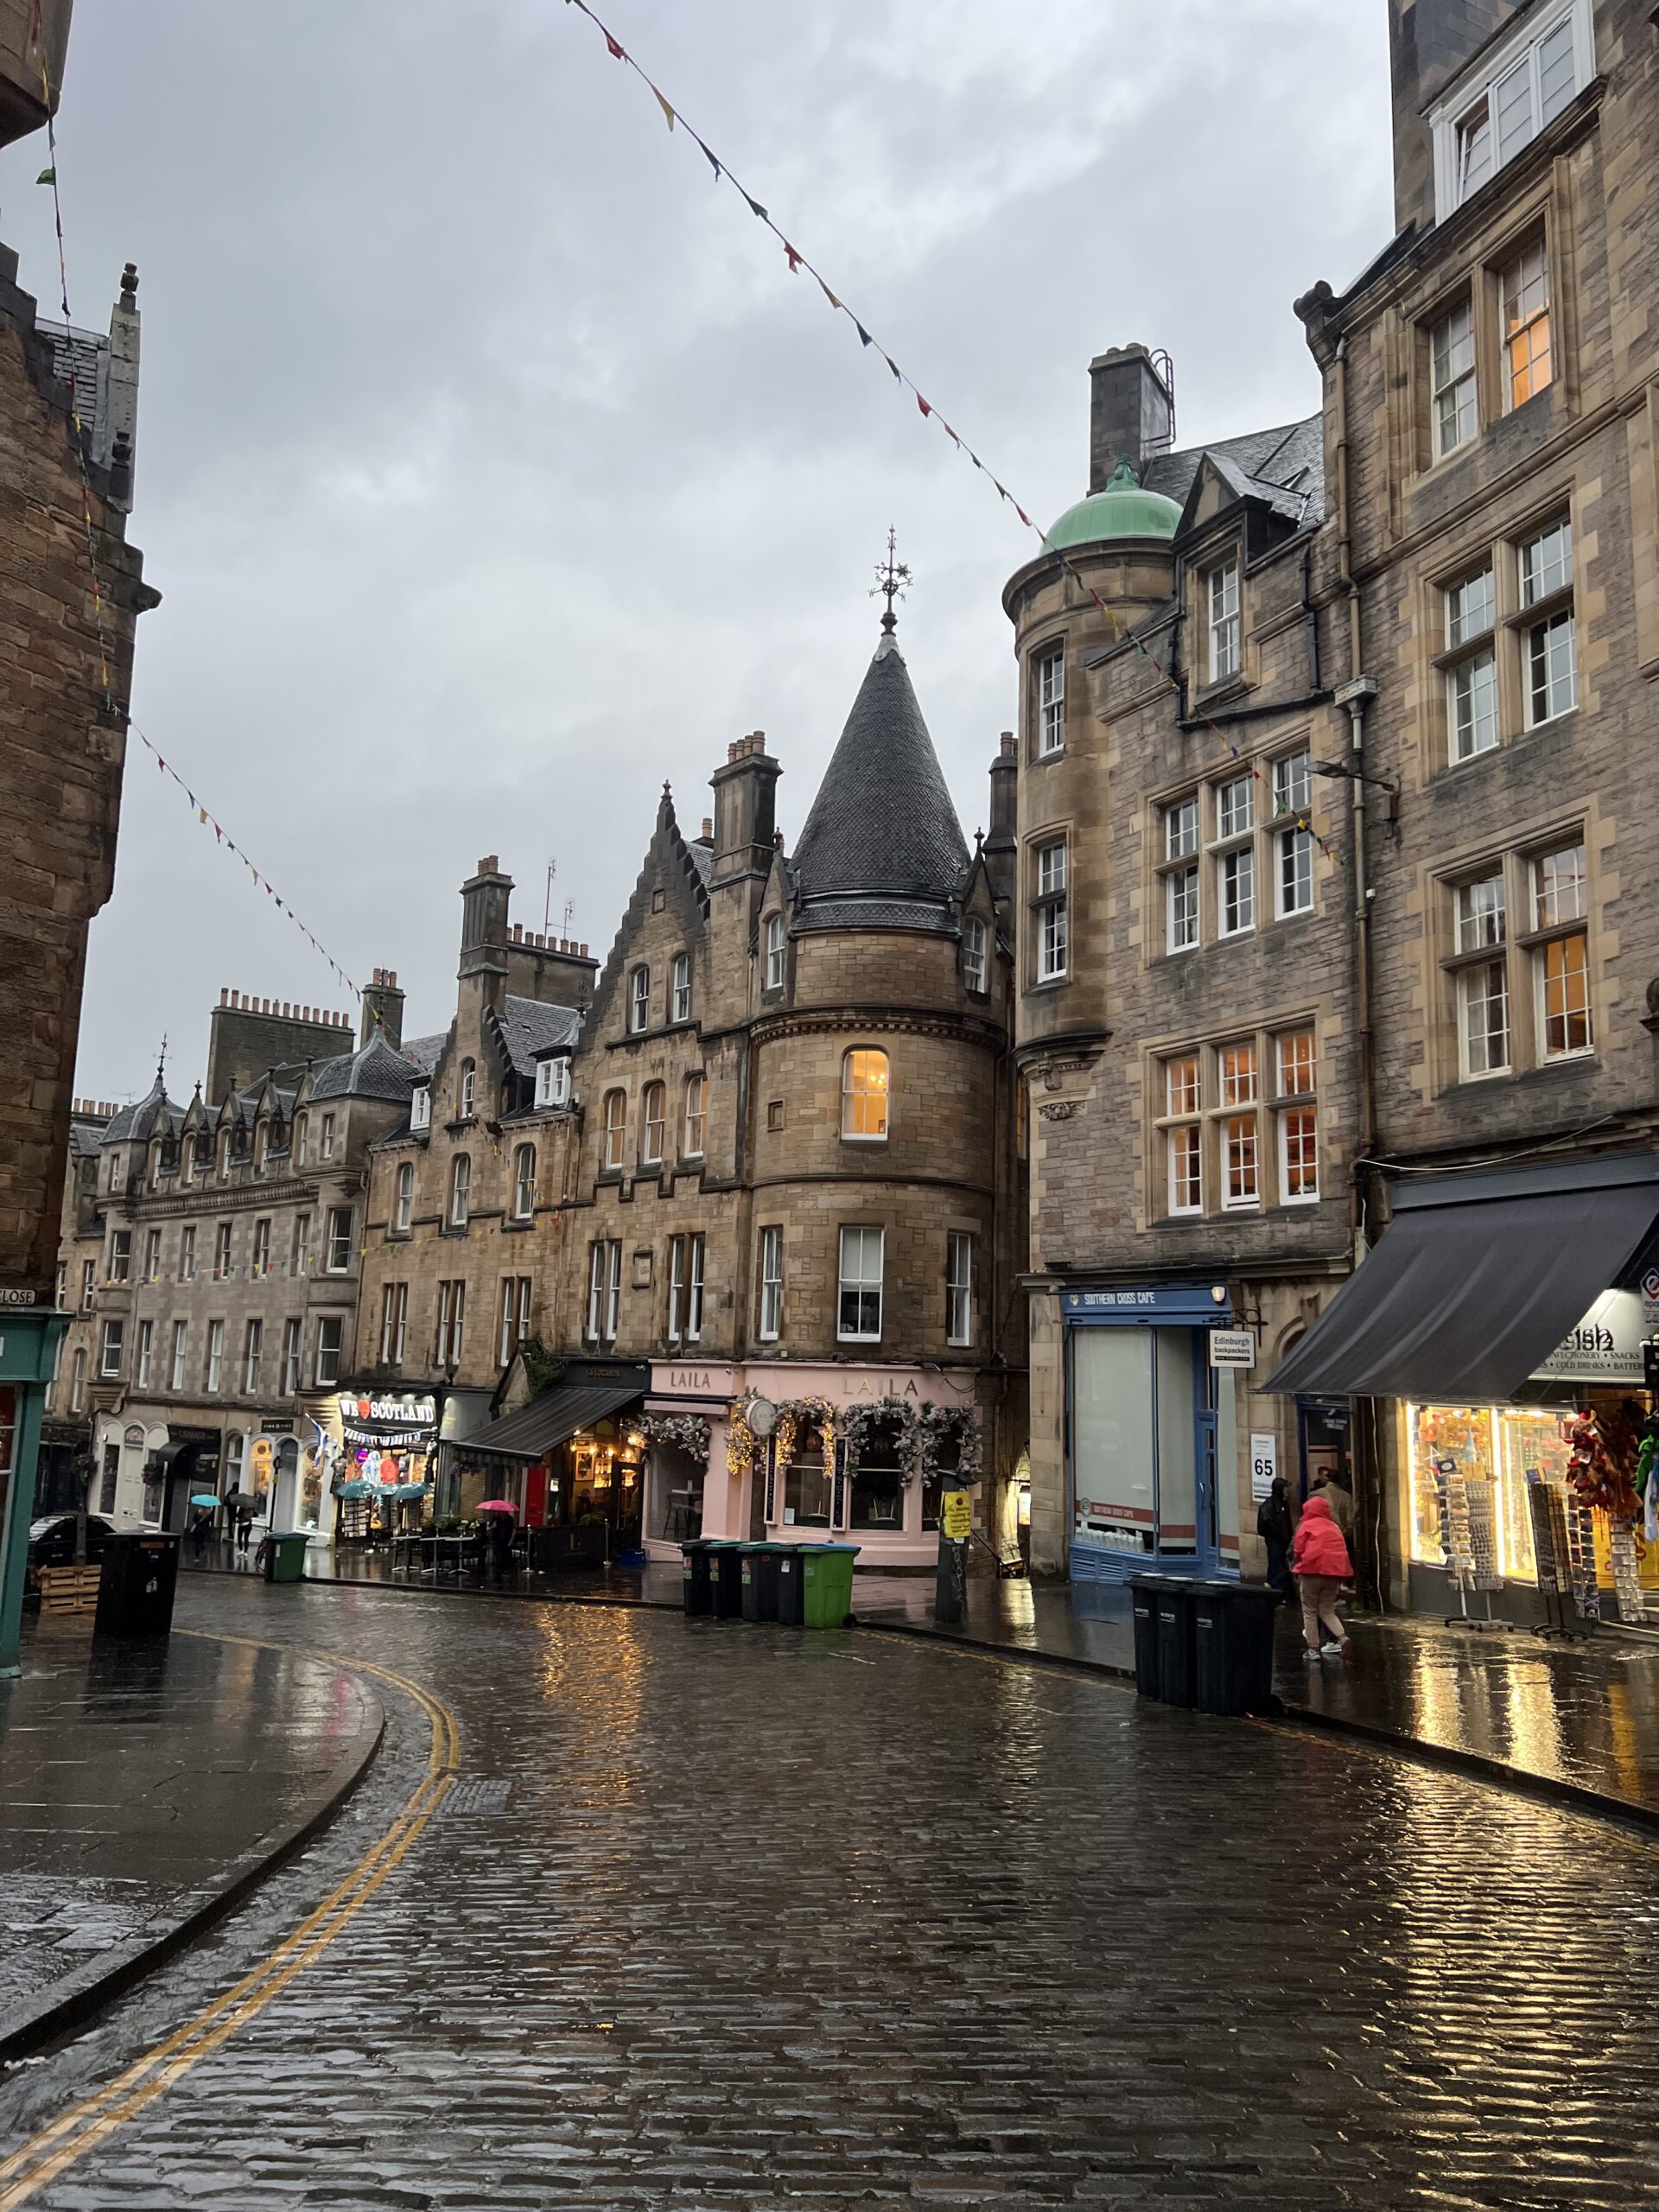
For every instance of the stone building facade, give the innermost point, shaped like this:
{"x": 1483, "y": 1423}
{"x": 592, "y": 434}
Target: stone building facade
{"x": 1183, "y": 1028}
{"x": 1491, "y": 404}
{"x": 211, "y": 1263}
{"x": 773, "y": 1162}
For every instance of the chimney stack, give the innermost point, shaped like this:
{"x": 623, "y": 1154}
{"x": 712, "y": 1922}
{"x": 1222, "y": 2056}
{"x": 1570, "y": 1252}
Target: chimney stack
{"x": 383, "y": 1007}
{"x": 1131, "y": 413}
{"x": 1001, "y": 845}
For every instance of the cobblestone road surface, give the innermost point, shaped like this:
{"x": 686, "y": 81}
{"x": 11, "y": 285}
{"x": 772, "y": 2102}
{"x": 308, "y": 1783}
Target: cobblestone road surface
{"x": 754, "y": 1918}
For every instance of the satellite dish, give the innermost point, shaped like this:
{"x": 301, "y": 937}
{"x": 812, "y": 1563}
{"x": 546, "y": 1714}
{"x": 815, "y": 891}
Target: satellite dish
{"x": 762, "y": 1416}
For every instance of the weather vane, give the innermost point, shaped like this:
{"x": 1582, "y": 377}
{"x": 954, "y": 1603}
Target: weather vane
{"x": 891, "y": 578}
{"x": 161, "y": 1065}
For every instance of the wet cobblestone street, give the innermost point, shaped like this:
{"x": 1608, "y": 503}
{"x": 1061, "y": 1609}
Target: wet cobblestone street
{"x": 736, "y": 1916}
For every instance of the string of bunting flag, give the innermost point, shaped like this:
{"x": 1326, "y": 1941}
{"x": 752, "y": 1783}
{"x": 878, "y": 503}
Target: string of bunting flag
{"x": 48, "y": 177}
{"x": 798, "y": 261}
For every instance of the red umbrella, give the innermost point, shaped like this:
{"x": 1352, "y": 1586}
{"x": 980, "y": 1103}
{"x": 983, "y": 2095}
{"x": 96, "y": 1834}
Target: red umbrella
{"x": 496, "y": 1505}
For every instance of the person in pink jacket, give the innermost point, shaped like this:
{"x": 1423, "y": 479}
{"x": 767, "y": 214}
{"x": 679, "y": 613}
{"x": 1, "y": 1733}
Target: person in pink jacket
{"x": 1319, "y": 1560}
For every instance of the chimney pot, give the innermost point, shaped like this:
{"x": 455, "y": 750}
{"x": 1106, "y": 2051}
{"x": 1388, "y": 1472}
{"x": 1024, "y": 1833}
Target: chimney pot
{"x": 391, "y": 978}
{"x": 224, "y": 995}
{"x": 708, "y": 829}
{"x": 490, "y": 864}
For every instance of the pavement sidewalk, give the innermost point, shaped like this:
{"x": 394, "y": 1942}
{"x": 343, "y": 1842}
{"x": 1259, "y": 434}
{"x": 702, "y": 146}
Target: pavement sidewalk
{"x": 1577, "y": 1723}
{"x": 144, "y": 1789}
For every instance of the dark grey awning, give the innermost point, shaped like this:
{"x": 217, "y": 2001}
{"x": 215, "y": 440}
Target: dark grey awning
{"x": 1477, "y": 1279}
{"x": 554, "y": 1418}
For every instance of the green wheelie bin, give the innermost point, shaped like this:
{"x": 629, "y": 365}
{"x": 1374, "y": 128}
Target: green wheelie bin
{"x": 827, "y": 1584}
{"x": 285, "y": 1551}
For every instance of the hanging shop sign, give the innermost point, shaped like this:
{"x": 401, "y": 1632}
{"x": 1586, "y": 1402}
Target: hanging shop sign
{"x": 1232, "y": 1347}
{"x": 1605, "y": 1347}
{"x": 405, "y": 1417}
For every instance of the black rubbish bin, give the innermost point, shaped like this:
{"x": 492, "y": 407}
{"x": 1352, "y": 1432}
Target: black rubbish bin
{"x": 1176, "y": 1657}
{"x": 791, "y": 1585}
{"x": 1233, "y": 1637}
{"x": 758, "y": 1570}
{"x": 137, "y": 1582}
{"x": 725, "y": 1579}
{"x": 1143, "y": 1594}
{"x": 694, "y": 1574}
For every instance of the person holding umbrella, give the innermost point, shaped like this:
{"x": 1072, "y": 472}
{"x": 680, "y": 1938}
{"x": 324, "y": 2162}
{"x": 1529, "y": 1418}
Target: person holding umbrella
{"x": 498, "y": 1534}
{"x": 244, "y": 1507}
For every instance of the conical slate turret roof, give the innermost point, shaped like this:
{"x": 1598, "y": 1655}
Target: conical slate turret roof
{"x": 883, "y": 847}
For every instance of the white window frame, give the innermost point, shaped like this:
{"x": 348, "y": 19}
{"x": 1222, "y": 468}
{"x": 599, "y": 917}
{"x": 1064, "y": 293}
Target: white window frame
{"x": 680, "y": 987}
{"x": 553, "y": 1082}
{"x": 153, "y": 1256}
{"x": 1050, "y": 862}
{"x": 293, "y": 1353}
{"x": 338, "y": 1259}
{"x": 770, "y": 1323}
{"x": 657, "y": 1093}
{"x": 958, "y": 1286}
{"x": 420, "y": 1107}
{"x": 523, "y": 1182}
{"x": 1527, "y": 276}
{"x": 214, "y": 1362}
{"x": 613, "y": 1291}
{"x": 696, "y": 1257}
{"x": 78, "y": 1380}
{"x": 1459, "y": 105}
{"x": 1048, "y": 676}
{"x": 1484, "y": 971}
{"x": 776, "y": 949}
{"x": 224, "y": 1250}
{"x": 259, "y": 1252}
{"x": 1223, "y": 637}
{"x": 1454, "y": 393}
{"x": 696, "y": 1097}
{"x": 595, "y": 1287}
{"x": 178, "y": 1355}
{"x": 326, "y": 1142}
{"x": 1181, "y": 1118}
{"x": 253, "y": 1346}
{"x": 638, "y": 1000}
{"x": 613, "y": 1153}
{"x": 142, "y": 1354}
{"x": 403, "y": 1204}
{"x": 863, "y": 1285}
{"x": 1235, "y": 890}
{"x": 461, "y": 1191}
{"x": 325, "y": 1356}
{"x": 300, "y": 1257}
{"x": 466, "y": 1095}
{"x": 120, "y": 1255}
{"x": 855, "y": 1096}
{"x": 88, "y": 1284}
{"x": 974, "y": 967}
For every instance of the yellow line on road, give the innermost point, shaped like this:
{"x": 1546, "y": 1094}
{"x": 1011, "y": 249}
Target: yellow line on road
{"x": 87, "y": 2124}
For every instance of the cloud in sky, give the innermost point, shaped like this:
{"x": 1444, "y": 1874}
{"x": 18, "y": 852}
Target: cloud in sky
{"x": 493, "y": 468}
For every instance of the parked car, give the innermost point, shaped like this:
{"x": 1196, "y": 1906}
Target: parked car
{"x": 52, "y": 1543}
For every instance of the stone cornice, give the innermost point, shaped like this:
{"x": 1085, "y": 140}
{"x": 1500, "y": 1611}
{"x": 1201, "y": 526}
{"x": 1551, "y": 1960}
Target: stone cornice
{"x": 901, "y": 1022}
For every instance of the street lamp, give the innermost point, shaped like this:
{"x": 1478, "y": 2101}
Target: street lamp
{"x": 1352, "y": 775}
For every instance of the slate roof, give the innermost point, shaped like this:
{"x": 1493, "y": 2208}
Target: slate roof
{"x": 528, "y": 1029}
{"x": 703, "y": 858}
{"x": 882, "y": 839}
{"x": 424, "y": 1051}
{"x": 377, "y": 1070}
{"x": 1286, "y": 467}
{"x": 133, "y": 1123}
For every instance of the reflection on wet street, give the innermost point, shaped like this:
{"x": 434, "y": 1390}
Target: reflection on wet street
{"x": 748, "y": 1916}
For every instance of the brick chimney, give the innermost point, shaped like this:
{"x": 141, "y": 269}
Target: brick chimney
{"x": 383, "y": 1007}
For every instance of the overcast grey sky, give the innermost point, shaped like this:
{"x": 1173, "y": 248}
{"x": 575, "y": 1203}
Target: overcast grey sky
{"x": 495, "y": 468}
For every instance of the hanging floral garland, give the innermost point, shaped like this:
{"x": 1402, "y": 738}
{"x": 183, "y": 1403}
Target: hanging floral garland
{"x": 902, "y": 1415}
{"x": 739, "y": 1438}
{"x": 689, "y": 1432}
{"x": 802, "y": 1412}
{"x": 937, "y": 1425}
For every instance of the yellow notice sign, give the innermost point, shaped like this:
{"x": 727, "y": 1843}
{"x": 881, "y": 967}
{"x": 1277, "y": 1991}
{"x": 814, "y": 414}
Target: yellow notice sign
{"x": 957, "y": 1516}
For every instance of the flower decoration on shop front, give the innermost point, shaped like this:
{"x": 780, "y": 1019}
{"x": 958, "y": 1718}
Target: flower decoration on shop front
{"x": 804, "y": 1413}
{"x": 688, "y": 1433}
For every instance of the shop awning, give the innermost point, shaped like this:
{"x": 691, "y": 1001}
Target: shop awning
{"x": 554, "y": 1418}
{"x": 1476, "y": 1280}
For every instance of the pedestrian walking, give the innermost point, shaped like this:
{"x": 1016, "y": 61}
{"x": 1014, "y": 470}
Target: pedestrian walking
{"x": 1272, "y": 1525}
{"x": 1321, "y": 1565}
{"x": 198, "y": 1528}
{"x": 502, "y": 1527}
{"x": 1340, "y": 1499}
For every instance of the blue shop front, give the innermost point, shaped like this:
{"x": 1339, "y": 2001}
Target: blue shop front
{"x": 1152, "y": 1443}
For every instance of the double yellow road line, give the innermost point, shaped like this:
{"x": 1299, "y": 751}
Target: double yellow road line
{"x": 86, "y": 2125}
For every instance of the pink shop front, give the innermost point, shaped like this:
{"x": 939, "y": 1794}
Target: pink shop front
{"x": 829, "y": 1454}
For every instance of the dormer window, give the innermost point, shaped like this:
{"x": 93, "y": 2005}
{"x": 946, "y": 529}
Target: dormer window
{"x": 1221, "y": 600}
{"x": 553, "y": 1082}
{"x": 420, "y": 1107}
{"x": 1522, "y": 87}
{"x": 777, "y": 942}
{"x": 972, "y": 954}
{"x": 638, "y": 1000}
{"x": 301, "y": 1139}
{"x": 467, "y": 1096}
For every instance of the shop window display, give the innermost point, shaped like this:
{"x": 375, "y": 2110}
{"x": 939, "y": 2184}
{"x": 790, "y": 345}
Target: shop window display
{"x": 878, "y": 1481}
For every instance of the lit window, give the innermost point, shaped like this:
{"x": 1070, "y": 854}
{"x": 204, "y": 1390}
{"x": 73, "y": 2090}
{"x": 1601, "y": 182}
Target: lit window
{"x": 1525, "y": 285}
{"x": 656, "y": 1123}
{"x": 616, "y": 1128}
{"x": 860, "y": 1313}
{"x": 776, "y": 940}
{"x": 461, "y": 1185}
{"x": 972, "y": 954}
{"x": 958, "y": 1288}
{"x": 771, "y": 1285}
{"x": 682, "y": 987}
{"x": 403, "y": 1211}
{"x": 1052, "y": 933}
{"x": 1561, "y": 965}
{"x": 1298, "y": 1138}
{"x": 1451, "y": 352}
{"x": 864, "y": 1090}
{"x": 696, "y": 1109}
{"x": 1050, "y": 703}
{"x": 1220, "y": 591}
{"x": 523, "y": 1182}
{"x": 1297, "y": 1064}
{"x": 639, "y": 998}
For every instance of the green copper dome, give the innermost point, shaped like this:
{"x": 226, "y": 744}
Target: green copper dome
{"x": 1123, "y": 510}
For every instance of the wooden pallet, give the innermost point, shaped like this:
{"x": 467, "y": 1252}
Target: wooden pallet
{"x": 69, "y": 1589}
